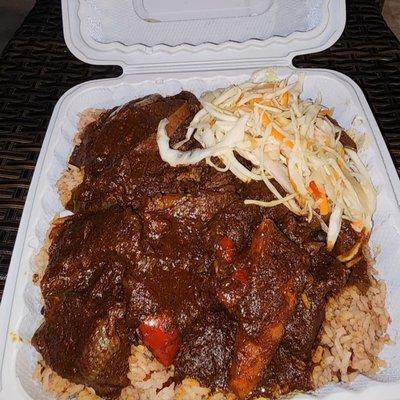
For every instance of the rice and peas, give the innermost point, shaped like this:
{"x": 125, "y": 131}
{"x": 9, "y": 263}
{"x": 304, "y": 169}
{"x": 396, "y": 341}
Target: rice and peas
{"x": 354, "y": 330}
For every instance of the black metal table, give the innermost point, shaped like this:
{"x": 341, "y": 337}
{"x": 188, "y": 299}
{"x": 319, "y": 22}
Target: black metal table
{"x": 36, "y": 68}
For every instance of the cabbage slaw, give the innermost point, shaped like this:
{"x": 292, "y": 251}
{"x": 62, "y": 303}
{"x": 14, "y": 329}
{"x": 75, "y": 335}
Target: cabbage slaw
{"x": 288, "y": 140}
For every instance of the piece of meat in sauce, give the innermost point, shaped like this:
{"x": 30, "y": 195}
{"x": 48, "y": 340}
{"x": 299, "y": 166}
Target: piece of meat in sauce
{"x": 277, "y": 270}
{"x": 86, "y": 341}
{"x": 207, "y": 349}
{"x": 238, "y": 221}
{"x": 360, "y": 275}
{"x": 291, "y": 366}
{"x": 85, "y": 336}
{"x": 300, "y": 231}
{"x": 86, "y": 246}
{"x": 119, "y": 155}
{"x": 167, "y": 288}
{"x": 174, "y": 225}
{"x": 172, "y": 282}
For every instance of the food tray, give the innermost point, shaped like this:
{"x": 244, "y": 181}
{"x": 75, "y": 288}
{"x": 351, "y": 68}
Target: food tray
{"x": 20, "y": 308}
{"x": 43, "y": 204}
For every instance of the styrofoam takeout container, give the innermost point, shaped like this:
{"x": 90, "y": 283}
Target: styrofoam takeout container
{"x": 164, "y": 47}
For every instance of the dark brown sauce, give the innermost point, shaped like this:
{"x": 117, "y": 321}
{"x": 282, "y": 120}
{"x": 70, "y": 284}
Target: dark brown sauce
{"x": 164, "y": 254}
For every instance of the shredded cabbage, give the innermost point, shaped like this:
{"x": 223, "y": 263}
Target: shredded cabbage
{"x": 288, "y": 140}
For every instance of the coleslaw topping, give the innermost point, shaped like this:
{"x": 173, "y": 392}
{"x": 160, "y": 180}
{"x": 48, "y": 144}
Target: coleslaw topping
{"x": 292, "y": 144}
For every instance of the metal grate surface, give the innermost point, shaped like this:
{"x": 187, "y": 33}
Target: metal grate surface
{"x": 36, "y": 68}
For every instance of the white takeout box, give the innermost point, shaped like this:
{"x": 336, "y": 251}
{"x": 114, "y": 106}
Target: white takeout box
{"x": 164, "y": 47}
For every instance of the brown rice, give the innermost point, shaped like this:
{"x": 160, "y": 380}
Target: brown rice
{"x": 352, "y": 335}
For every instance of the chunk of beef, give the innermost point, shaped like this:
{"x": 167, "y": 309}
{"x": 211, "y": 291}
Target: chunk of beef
{"x": 349, "y": 242}
{"x": 276, "y": 278}
{"x": 296, "y": 229}
{"x": 103, "y": 361}
{"x": 89, "y": 245}
{"x": 256, "y": 190}
{"x": 286, "y": 373}
{"x": 325, "y": 267}
{"x": 122, "y": 128}
{"x": 199, "y": 207}
{"x": 60, "y": 331}
{"x": 359, "y": 275}
{"x": 236, "y": 221}
{"x": 85, "y": 337}
{"x": 175, "y": 224}
{"x": 182, "y": 293}
{"x": 119, "y": 155}
{"x": 87, "y": 342}
{"x": 83, "y": 149}
{"x": 206, "y": 351}
{"x": 290, "y": 369}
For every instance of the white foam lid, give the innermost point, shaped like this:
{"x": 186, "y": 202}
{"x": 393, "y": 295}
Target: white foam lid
{"x": 156, "y": 36}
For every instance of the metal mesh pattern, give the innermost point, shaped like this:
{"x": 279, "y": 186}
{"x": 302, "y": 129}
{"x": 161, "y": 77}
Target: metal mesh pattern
{"x": 36, "y": 68}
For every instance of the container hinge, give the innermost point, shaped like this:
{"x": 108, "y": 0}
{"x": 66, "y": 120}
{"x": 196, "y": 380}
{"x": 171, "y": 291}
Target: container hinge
{"x": 205, "y": 66}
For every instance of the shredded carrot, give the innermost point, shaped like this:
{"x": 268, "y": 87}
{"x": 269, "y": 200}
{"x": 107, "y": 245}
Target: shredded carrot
{"x": 314, "y": 190}
{"x": 267, "y": 103}
{"x": 326, "y": 111}
{"x": 299, "y": 199}
{"x": 305, "y": 144}
{"x": 277, "y": 135}
{"x": 285, "y": 99}
{"x": 324, "y": 206}
{"x": 340, "y": 161}
{"x": 335, "y": 174}
{"x": 265, "y": 119}
{"x": 288, "y": 143}
{"x": 253, "y": 141}
{"x": 252, "y": 102}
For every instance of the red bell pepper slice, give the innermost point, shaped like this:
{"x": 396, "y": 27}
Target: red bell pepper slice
{"x": 161, "y": 336}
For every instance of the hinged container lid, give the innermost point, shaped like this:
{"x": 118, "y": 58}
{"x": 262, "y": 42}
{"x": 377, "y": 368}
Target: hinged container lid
{"x": 153, "y": 36}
